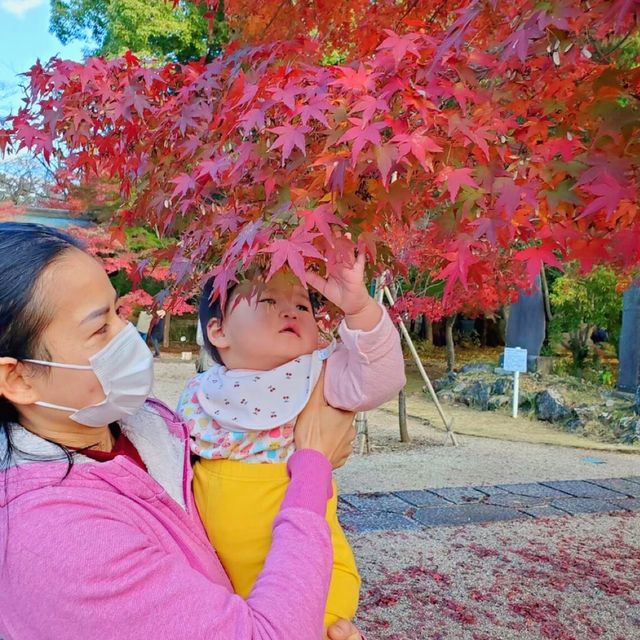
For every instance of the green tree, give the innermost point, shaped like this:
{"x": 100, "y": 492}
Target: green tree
{"x": 149, "y": 28}
{"x": 580, "y": 304}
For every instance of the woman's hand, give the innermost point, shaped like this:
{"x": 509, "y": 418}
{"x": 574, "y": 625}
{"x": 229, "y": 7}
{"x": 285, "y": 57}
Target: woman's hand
{"x": 325, "y": 429}
{"x": 343, "y": 630}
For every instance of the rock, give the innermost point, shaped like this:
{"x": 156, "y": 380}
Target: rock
{"x": 460, "y": 388}
{"x": 609, "y": 403}
{"x": 579, "y": 418}
{"x": 575, "y": 424}
{"x": 630, "y": 428}
{"x": 495, "y": 402}
{"x": 477, "y": 366}
{"x": 584, "y": 413}
{"x": 445, "y": 381}
{"x": 446, "y": 396}
{"x": 502, "y": 386}
{"x": 606, "y": 418}
{"x": 551, "y": 407}
{"x": 477, "y": 395}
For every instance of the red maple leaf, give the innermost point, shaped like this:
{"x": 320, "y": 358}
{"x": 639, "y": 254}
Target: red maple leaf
{"x": 292, "y": 251}
{"x": 320, "y": 218}
{"x": 289, "y": 136}
{"x": 361, "y": 134}
{"x": 455, "y": 178}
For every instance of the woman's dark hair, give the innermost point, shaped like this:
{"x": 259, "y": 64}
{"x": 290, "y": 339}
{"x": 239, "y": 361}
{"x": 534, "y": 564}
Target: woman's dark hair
{"x": 26, "y": 251}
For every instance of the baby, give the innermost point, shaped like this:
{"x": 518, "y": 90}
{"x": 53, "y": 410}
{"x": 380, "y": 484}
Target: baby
{"x": 242, "y": 411}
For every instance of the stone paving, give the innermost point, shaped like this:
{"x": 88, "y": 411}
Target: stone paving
{"x": 451, "y": 506}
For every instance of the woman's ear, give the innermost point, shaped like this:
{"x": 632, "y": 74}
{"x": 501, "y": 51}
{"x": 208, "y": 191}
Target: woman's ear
{"x": 15, "y": 384}
{"x": 216, "y": 334}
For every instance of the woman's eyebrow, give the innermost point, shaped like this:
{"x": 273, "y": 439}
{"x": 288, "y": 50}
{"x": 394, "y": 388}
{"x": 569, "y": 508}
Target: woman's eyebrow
{"x": 99, "y": 312}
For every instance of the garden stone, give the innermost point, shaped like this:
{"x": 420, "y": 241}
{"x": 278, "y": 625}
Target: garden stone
{"x": 630, "y": 428}
{"x": 579, "y": 417}
{"x": 477, "y": 366}
{"x": 477, "y": 395}
{"x": 503, "y": 386}
{"x": 460, "y": 388}
{"x": 585, "y": 412}
{"x": 495, "y": 402}
{"x": 442, "y": 383}
{"x": 575, "y": 424}
{"x": 550, "y": 406}
{"x": 446, "y": 396}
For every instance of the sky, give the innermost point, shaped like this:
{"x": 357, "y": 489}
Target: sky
{"x": 25, "y": 37}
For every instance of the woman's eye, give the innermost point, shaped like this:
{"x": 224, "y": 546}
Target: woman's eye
{"x": 102, "y": 330}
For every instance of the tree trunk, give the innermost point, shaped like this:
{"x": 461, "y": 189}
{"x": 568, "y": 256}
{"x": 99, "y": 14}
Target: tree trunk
{"x": 402, "y": 416}
{"x": 451, "y": 354}
{"x": 429, "y": 326}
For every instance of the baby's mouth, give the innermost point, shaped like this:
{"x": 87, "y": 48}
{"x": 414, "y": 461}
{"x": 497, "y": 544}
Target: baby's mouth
{"x": 291, "y": 330}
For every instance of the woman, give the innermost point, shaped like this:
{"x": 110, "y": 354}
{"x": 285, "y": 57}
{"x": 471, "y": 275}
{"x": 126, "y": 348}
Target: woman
{"x": 98, "y": 530}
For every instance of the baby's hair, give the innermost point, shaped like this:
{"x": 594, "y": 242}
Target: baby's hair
{"x": 212, "y": 309}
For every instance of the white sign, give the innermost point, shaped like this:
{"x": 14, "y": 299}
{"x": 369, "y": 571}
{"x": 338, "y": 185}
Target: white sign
{"x": 515, "y": 359}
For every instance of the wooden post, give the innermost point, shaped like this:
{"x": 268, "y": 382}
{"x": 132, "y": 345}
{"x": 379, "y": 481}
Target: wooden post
{"x": 402, "y": 416}
{"x": 167, "y": 329}
{"x": 451, "y": 354}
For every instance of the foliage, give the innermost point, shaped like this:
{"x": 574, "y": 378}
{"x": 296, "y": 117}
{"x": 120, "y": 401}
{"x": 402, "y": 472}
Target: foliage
{"x": 150, "y": 28}
{"x": 504, "y": 140}
{"x": 580, "y": 304}
{"x": 139, "y": 280}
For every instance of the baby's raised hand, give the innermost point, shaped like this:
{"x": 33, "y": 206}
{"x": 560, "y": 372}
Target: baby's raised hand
{"x": 345, "y": 287}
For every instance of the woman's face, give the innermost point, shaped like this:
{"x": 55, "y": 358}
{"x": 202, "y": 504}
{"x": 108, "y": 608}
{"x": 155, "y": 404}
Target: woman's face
{"x": 82, "y": 306}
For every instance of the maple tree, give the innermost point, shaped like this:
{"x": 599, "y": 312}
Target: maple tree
{"x": 511, "y": 136}
{"x": 134, "y": 270}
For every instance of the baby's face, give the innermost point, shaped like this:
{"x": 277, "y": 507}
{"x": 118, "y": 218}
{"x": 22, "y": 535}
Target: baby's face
{"x": 275, "y": 325}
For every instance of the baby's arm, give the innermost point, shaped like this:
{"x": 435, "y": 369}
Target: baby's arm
{"x": 367, "y": 367}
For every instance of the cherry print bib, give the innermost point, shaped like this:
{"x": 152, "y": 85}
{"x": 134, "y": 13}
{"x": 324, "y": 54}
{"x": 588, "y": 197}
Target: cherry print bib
{"x": 241, "y": 400}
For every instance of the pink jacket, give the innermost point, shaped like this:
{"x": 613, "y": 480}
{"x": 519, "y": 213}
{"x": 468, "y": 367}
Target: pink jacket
{"x": 113, "y": 552}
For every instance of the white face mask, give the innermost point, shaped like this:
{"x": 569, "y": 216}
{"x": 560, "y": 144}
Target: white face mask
{"x": 124, "y": 368}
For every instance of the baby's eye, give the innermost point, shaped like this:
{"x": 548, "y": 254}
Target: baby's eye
{"x": 303, "y": 307}
{"x": 268, "y": 300}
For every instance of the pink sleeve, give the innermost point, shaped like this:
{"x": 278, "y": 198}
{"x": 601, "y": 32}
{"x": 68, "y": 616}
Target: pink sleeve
{"x": 367, "y": 367}
{"x": 91, "y": 569}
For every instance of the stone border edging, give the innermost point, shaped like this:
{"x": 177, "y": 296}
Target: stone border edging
{"x": 455, "y": 506}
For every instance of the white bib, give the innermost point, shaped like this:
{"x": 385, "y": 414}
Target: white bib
{"x": 241, "y": 400}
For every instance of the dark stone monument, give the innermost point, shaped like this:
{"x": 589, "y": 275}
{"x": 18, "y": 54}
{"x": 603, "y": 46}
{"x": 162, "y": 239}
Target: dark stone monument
{"x": 629, "y": 368}
{"x": 526, "y": 324}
